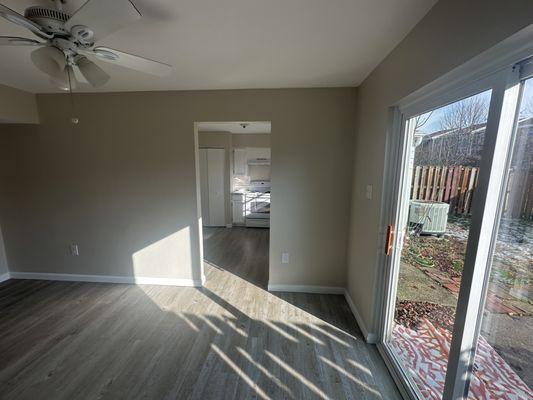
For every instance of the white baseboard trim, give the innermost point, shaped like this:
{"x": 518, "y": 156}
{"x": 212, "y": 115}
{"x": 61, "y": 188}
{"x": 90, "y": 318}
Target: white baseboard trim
{"x": 370, "y": 337}
{"x": 138, "y": 280}
{"x": 5, "y": 277}
{"x": 229, "y": 225}
{"x": 306, "y": 289}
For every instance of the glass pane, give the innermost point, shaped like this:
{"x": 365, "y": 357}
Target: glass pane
{"x": 503, "y": 366}
{"x": 444, "y": 169}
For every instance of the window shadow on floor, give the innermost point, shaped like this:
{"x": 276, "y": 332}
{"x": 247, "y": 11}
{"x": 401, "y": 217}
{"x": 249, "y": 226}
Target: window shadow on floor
{"x": 229, "y": 340}
{"x": 332, "y": 309}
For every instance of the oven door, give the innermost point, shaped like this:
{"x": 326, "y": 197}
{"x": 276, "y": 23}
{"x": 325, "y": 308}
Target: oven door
{"x": 258, "y": 205}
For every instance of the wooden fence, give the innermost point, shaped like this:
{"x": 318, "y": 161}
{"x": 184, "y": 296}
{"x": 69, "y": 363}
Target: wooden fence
{"x": 519, "y": 194}
{"x": 456, "y": 186}
{"x": 453, "y": 185}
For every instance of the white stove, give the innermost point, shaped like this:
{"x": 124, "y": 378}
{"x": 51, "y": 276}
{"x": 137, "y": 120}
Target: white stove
{"x": 257, "y": 203}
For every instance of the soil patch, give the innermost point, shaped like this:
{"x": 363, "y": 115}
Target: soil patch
{"x": 411, "y": 314}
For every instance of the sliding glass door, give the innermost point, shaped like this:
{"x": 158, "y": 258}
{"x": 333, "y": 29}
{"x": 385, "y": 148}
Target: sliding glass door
{"x": 460, "y": 245}
{"x": 443, "y": 169}
{"x": 503, "y": 365}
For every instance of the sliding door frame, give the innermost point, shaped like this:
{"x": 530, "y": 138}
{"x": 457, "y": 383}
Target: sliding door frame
{"x": 505, "y": 81}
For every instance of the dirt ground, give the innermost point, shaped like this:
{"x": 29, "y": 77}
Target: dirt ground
{"x": 416, "y": 286}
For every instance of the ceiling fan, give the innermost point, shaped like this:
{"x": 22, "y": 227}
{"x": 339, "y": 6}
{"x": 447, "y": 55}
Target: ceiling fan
{"x": 68, "y": 41}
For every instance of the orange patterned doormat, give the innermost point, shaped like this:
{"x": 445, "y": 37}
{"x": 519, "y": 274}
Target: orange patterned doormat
{"x": 424, "y": 352}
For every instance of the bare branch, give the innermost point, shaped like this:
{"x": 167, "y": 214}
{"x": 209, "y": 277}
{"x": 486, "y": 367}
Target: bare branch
{"x": 458, "y": 142}
{"x": 421, "y": 120}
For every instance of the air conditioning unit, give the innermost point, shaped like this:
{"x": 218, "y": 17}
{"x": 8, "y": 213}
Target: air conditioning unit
{"x": 430, "y": 217}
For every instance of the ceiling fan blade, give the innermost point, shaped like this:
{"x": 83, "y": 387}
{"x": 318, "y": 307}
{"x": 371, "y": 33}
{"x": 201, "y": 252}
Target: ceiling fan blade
{"x": 95, "y": 75}
{"x": 104, "y": 17}
{"x": 16, "y": 18}
{"x": 131, "y": 61}
{"x": 18, "y": 41}
{"x": 50, "y": 60}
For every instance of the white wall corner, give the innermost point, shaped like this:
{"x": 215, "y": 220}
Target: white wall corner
{"x": 4, "y": 266}
{"x": 305, "y": 289}
{"x": 5, "y": 277}
{"x": 370, "y": 337}
{"x": 136, "y": 280}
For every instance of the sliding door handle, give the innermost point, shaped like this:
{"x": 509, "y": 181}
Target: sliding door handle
{"x": 389, "y": 239}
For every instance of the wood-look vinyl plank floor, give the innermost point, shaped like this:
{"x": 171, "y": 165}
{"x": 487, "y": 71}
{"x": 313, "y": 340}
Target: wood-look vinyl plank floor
{"x": 228, "y": 340}
{"x": 239, "y": 250}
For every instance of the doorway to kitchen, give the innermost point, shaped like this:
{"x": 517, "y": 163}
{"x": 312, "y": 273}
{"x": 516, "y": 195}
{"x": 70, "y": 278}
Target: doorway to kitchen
{"x": 234, "y": 165}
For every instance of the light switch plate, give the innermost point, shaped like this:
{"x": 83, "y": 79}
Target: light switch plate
{"x": 284, "y": 258}
{"x": 74, "y": 251}
{"x": 369, "y": 189}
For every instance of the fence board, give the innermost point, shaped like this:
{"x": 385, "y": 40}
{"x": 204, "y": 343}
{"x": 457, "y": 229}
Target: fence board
{"x": 462, "y": 190}
{"x": 448, "y": 184}
{"x": 435, "y": 185}
{"x": 469, "y": 191}
{"x": 429, "y": 184}
{"x": 414, "y": 193}
{"x": 442, "y": 183}
{"x": 527, "y": 211}
{"x": 455, "y": 185}
{"x": 422, "y": 193}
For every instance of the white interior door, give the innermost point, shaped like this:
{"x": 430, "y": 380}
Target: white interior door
{"x": 215, "y": 179}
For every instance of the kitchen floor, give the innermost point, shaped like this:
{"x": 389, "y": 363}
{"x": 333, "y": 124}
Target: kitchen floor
{"x": 240, "y": 251}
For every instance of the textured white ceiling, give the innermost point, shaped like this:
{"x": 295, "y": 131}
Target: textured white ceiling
{"x": 236, "y": 44}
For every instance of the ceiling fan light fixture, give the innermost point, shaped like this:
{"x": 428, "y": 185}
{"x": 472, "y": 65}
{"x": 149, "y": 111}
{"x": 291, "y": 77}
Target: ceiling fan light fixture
{"x": 65, "y": 82}
{"x": 95, "y": 75}
{"x": 50, "y": 60}
{"x": 61, "y": 85}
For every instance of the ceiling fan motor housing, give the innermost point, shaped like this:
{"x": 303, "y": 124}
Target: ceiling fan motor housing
{"x": 53, "y": 21}
{"x": 66, "y": 39}
{"x": 82, "y": 34}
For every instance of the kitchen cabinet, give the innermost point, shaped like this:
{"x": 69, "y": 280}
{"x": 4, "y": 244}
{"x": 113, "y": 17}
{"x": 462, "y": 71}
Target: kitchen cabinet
{"x": 239, "y": 162}
{"x": 238, "y": 206}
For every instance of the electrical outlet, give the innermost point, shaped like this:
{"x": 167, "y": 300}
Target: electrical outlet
{"x": 74, "y": 251}
{"x": 284, "y": 258}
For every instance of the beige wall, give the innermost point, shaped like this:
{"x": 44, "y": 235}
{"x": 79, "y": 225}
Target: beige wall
{"x": 253, "y": 140}
{"x": 17, "y": 106}
{"x": 452, "y": 32}
{"x": 122, "y": 182}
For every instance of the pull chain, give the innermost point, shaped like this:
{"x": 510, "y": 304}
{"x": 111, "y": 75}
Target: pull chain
{"x": 75, "y": 120}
